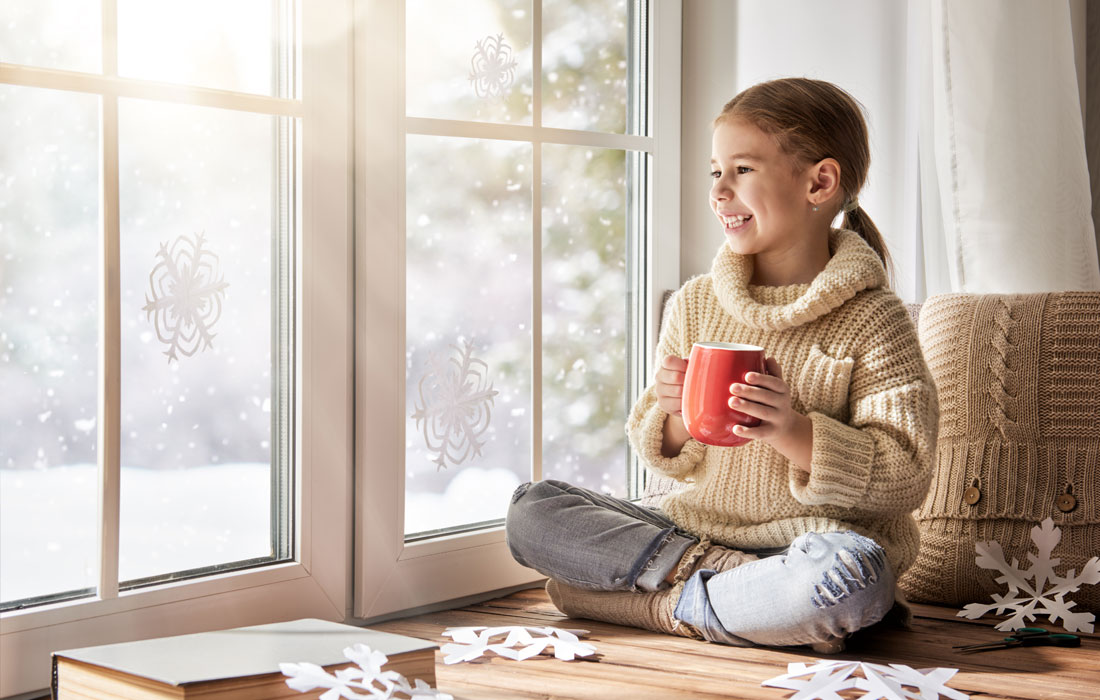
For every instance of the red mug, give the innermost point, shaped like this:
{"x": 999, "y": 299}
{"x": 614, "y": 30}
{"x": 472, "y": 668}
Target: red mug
{"x": 705, "y": 407}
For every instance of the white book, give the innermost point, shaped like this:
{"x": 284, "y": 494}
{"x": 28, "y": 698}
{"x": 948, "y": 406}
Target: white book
{"x": 241, "y": 663}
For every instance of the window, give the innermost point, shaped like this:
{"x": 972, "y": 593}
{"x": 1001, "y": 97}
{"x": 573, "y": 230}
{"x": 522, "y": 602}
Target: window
{"x": 198, "y": 208}
{"x": 508, "y": 196}
{"x": 175, "y": 202}
{"x": 255, "y": 137}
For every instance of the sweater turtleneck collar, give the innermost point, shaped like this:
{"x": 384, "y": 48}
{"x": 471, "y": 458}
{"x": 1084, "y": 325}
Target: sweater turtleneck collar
{"x": 853, "y": 267}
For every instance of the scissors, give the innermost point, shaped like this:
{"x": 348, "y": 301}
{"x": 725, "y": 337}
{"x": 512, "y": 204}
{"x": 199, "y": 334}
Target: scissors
{"x": 1026, "y": 637}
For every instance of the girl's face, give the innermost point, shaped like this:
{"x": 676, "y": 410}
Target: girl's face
{"x": 759, "y": 193}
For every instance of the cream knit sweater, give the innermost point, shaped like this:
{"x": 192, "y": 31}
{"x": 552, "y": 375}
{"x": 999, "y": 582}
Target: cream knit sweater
{"x": 849, "y": 352}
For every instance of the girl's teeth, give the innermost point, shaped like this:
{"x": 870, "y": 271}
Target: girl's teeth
{"x": 734, "y": 220}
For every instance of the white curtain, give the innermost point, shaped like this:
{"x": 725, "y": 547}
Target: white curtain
{"x": 1006, "y": 203}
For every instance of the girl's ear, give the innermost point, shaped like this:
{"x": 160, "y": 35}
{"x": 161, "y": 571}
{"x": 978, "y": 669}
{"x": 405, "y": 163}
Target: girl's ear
{"x": 824, "y": 181}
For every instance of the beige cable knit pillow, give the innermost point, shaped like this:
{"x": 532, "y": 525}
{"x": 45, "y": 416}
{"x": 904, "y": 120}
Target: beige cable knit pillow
{"x": 1018, "y": 378}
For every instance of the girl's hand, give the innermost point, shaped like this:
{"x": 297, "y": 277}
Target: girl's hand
{"x": 669, "y": 384}
{"x": 768, "y": 397}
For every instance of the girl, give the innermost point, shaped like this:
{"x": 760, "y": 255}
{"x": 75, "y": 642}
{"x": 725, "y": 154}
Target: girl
{"x": 799, "y": 536}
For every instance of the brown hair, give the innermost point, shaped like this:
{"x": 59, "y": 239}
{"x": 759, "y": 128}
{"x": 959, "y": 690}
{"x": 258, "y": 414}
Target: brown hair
{"x": 812, "y": 120}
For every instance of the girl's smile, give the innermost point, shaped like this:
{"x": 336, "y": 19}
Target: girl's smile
{"x": 734, "y": 222}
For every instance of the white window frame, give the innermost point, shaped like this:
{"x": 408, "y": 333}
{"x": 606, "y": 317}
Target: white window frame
{"x": 391, "y": 575}
{"x": 317, "y": 582}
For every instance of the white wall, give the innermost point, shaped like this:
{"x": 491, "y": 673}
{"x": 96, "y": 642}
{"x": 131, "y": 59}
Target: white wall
{"x": 861, "y": 45}
{"x": 1089, "y": 75}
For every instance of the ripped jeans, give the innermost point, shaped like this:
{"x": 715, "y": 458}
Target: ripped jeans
{"x": 822, "y": 586}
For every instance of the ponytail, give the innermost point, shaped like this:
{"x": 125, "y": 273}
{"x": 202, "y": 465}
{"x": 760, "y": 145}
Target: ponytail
{"x": 857, "y": 220}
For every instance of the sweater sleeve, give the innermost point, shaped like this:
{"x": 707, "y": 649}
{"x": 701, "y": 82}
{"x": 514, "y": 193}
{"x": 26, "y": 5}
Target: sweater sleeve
{"x": 646, "y": 423}
{"x": 879, "y": 462}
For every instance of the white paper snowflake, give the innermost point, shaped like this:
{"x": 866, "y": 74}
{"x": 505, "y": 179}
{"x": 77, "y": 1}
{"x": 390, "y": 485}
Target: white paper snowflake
{"x": 492, "y": 68}
{"x": 826, "y": 680}
{"x": 455, "y": 405}
{"x": 369, "y": 677}
{"x": 519, "y": 644}
{"x": 185, "y": 296}
{"x": 1026, "y": 600}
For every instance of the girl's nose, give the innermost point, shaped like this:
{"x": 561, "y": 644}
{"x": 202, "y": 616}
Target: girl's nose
{"x": 720, "y": 192}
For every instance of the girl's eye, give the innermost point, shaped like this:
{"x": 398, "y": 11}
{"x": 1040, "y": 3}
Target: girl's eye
{"x": 740, "y": 170}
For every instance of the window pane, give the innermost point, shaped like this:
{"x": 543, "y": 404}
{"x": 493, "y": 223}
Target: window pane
{"x": 63, "y": 34}
{"x": 198, "y": 228}
{"x": 468, "y": 60}
{"x": 468, "y": 329}
{"x": 584, "y": 317}
{"x": 209, "y": 43}
{"x": 49, "y": 277}
{"x": 584, "y": 64}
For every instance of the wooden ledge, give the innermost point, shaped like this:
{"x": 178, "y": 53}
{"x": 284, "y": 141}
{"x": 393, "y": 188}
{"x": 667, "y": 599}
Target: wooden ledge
{"x": 641, "y": 665}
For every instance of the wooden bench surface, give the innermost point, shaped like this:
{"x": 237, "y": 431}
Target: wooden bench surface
{"x": 642, "y": 665}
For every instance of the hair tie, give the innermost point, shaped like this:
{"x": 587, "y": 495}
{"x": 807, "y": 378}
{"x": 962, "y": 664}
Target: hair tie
{"x": 850, "y": 205}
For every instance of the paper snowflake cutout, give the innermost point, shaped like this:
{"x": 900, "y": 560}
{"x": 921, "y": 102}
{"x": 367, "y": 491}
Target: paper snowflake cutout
{"x": 455, "y": 404}
{"x": 492, "y": 68}
{"x": 519, "y": 644}
{"x": 1026, "y": 600}
{"x": 826, "y": 680}
{"x": 375, "y": 683}
{"x": 185, "y": 296}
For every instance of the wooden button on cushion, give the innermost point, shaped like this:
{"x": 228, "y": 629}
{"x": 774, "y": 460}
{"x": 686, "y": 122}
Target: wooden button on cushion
{"x": 1066, "y": 502}
{"x": 972, "y": 495}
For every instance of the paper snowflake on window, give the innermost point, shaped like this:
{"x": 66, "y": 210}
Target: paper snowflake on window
{"x": 1026, "y": 600}
{"x": 492, "y": 68}
{"x": 375, "y": 683}
{"x": 185, "y": 296}
{"x": 454, "y": 406}
{"x": 826, "y": 680}
{"x": 519, "y": 644}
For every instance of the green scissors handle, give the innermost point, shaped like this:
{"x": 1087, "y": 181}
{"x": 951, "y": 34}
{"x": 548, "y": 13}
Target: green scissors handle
{"x": 1027, "y": 637}
{"x": 1054, "y": 639}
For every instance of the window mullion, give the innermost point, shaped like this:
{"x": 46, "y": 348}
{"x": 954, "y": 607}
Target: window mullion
{"x": 109, "y": 436}
{"x": 284, "y": 185}
{"x": 73, "y": 81}
{"x": 638, "y": 65}
{"x": 536, "y": 312}
{"x": 401, "y": 157}
{"x": 536, "y": 242}
{"x": 429, "y": 126}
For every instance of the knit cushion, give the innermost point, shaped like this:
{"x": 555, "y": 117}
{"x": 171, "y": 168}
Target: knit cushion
{"x": 1018, "y": 378}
